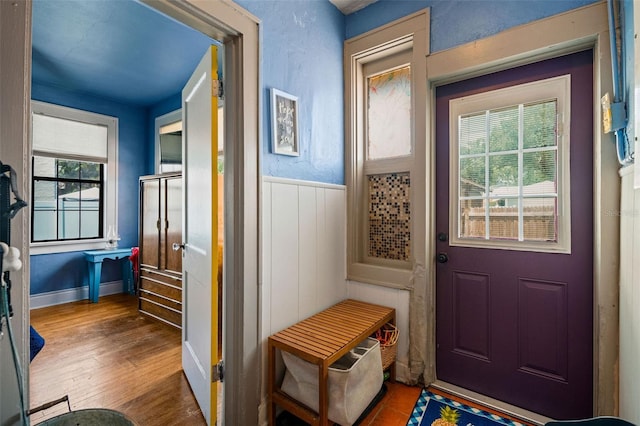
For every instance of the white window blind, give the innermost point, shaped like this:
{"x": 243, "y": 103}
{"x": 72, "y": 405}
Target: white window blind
{"x": 68, "y": 138}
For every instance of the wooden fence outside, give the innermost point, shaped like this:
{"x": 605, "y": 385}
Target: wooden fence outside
{"x": 539, "y": 223}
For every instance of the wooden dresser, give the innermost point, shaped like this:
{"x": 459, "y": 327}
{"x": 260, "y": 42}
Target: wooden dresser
{"x": 160, "y": 286}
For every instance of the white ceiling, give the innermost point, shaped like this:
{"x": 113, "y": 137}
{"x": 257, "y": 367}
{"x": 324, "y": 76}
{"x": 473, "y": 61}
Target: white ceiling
{"x": 350, "y": 6}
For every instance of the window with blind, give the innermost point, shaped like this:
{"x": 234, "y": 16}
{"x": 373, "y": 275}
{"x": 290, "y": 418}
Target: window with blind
{"x": 73, "y": 174}
{"x": 510, "y": 173}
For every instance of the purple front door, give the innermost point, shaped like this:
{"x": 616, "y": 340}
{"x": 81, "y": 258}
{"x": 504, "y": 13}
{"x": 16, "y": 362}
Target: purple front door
{"x": 518, "y": 325}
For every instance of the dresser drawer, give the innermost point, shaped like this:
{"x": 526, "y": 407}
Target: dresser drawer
{"x": 161, "y": 312}
{"x": 161, "y": 277}
{"x": 169, "y": 291}
{"x": 160, "y": 300}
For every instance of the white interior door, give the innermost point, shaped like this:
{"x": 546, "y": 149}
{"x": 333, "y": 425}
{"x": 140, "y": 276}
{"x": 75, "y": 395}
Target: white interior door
{"x": 200, "y": 256}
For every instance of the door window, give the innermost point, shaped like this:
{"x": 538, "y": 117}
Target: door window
{"x": 510, "y": 175}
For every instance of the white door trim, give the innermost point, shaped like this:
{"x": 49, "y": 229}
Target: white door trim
{"x": 585, "y": 27}
{"x": 15, "y": 123}
{"x": 238, "y": 30}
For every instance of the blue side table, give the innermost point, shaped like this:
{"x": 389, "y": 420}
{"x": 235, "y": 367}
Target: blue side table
{"x": 94, "y": 262}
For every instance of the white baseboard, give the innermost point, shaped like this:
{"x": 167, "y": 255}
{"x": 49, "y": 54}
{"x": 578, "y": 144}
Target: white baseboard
{"x": 59, "y": 297}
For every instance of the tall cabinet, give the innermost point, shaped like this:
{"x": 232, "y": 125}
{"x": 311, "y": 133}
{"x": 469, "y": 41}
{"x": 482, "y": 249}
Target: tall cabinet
{"x": 160, "y": 286}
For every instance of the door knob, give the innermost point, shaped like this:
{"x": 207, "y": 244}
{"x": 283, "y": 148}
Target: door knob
{"x": 177, "y": 246}
{"x": 442, "y": 258}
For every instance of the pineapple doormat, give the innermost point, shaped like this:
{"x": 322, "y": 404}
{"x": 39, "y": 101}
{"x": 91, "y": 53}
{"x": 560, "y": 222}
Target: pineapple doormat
{"x": 436, "y": 410}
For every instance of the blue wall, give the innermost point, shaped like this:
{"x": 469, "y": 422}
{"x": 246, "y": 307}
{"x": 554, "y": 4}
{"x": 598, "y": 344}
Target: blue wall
{"x": 60, "y": 271}
{"x": 302, "y": 55}
{"x": 455, "y": 22}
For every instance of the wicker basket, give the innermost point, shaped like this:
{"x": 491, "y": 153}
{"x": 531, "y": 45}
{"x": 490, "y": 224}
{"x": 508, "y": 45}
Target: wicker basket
{"x": 388, "y": 338}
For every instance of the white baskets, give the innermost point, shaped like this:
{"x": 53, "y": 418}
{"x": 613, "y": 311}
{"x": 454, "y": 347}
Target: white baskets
{"x": 354, "y": 380}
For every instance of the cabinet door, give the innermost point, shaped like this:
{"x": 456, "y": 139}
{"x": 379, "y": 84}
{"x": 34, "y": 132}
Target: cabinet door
{"x": 150, "y": 223}
{"x": 173, "y": 224}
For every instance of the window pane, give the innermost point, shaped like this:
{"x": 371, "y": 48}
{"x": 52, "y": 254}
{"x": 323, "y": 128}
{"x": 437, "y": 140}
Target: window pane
{"x": 540, "y": 219}
{"x": 68, "y": 221}
{"x": 503, "y": 134}
{"x": 503, "y": 219}
{"x": 389, "y": 216}
{"x": 68, "y": 169}
{"x": 90, "y": 171}
{"x": 503, "y": 171}
{"x": 539, "y": 174}
{"x": 540, "y": 124}
{"x": 44, "y": 166}
{"x": 472, "y": 219}
{"x": 90, "y": 211}
{"x": 472, "y": 176}
{"x": 68, "y": 189}
{"x": 389, "y": 114}
{"x": 473, "y": 134}
{"x": 44, "y": 211}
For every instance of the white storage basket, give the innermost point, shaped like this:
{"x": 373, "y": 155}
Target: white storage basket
{"x": 354, "y": 380}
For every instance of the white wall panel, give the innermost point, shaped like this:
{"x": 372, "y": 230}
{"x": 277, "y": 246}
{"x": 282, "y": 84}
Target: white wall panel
{"x": 309, "y": 246}
{"x": 332, "y": 253}
{"x": 284, "y": 255}
{"x": 304, "y": 260}
{"x": 629, "y": 390}
{"x": 303, "y": 250}
{"x": 393, "y": 298}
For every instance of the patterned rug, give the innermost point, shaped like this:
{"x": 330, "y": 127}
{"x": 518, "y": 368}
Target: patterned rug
{"x": 436, "y": 410}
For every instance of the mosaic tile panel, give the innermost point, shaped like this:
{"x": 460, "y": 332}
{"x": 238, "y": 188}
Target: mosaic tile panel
{"x": 389, "y": 216}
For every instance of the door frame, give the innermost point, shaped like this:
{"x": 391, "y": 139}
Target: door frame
{"x": 585, "y": 27}
{"x": 239, "y": 31}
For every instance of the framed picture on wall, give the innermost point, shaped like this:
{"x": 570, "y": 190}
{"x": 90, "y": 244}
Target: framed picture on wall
{"x": 284, "y": 123}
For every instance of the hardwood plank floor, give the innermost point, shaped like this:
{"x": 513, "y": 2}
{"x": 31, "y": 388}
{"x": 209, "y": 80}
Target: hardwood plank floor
{"x": 108, "y": 355}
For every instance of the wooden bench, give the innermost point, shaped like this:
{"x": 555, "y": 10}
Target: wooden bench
{"x": 322, "y": 339}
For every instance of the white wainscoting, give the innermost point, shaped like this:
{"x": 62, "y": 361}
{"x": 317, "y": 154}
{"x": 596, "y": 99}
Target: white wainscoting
{"x": 629, "y": 391}
{"x": 304, "y": 257}
{"x": 303, "y": 250}
{"x": 304, "y": 264}
{"x": 394, "y": 298}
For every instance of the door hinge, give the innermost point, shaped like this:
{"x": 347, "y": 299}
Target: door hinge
{"x": 217, "y": 89}
{"x": 217, "y": 374}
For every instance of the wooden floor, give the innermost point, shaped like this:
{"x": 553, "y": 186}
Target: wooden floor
{"x": 107, "y": 355}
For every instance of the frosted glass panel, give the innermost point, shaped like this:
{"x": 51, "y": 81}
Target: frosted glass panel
{"x": 61, "y": 136}
{"x": 389, "y": 114}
